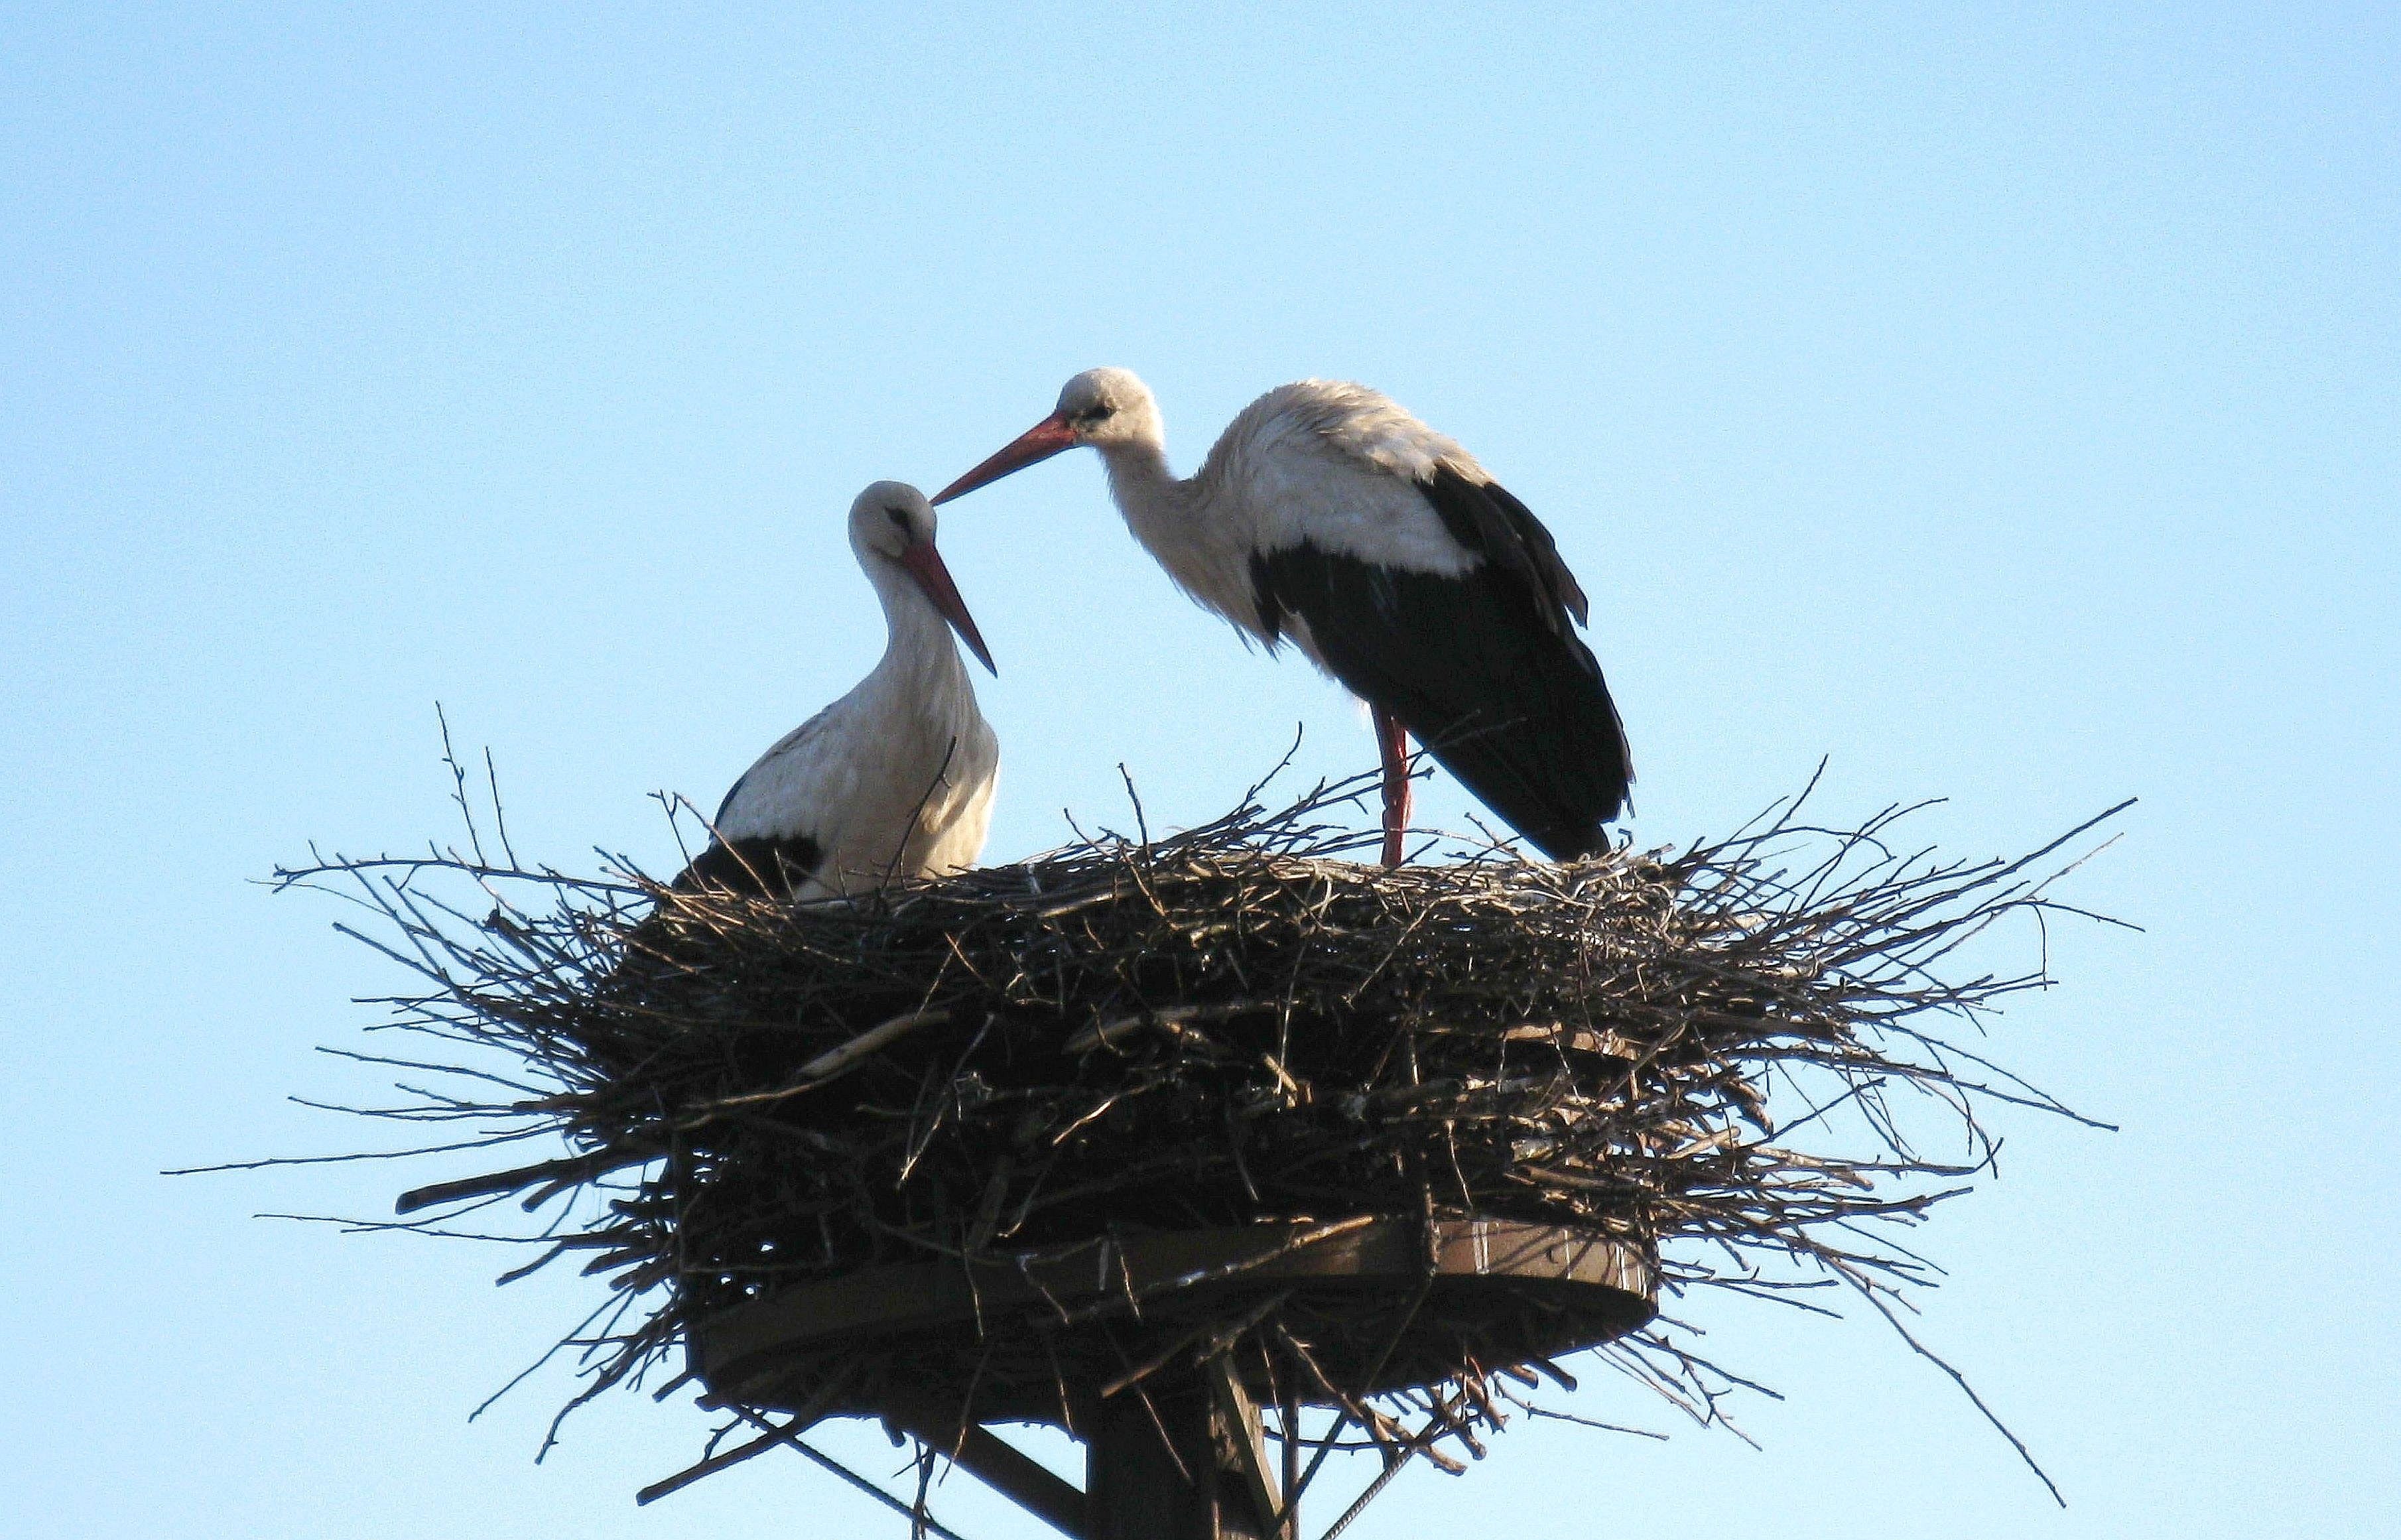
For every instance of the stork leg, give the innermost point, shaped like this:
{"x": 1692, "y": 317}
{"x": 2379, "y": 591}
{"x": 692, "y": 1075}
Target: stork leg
{"x": 1394, "y": 739}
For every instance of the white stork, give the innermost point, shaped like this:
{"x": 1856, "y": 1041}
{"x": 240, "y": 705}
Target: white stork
{"x": 894, "y": 778}
{"x": 1328, "y": 515}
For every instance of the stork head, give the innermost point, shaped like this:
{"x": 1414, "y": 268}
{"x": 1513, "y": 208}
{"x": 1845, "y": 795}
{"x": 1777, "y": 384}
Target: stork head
{"x": 1102, "y": 407}
{"x": 1107, "y": 407}
{"x": 892, "y": 524}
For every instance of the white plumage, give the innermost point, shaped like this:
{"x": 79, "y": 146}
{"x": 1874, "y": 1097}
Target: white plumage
{"x": 895, "y": 778}
{"x": 1329, "y": 516}
{"x": 1338, "y": 466}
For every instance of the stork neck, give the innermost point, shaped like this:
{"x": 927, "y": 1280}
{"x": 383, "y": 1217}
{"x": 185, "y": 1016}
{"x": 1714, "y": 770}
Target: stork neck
{"x": 1188, "y": 529}
{"x": 917, "y": 639}
{"x": 1147, "y": 493}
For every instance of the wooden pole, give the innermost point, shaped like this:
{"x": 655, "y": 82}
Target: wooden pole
{"x": 1198, "y": 1482}
{"x": 1000, "y": 1466}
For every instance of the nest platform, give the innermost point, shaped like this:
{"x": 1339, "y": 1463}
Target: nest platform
{"x": 1173, "y": 1143}
{"x": 1371, "y": 1304}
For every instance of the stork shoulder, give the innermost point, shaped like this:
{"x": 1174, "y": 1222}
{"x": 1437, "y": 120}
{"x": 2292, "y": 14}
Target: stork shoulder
{"x": 1342, "y": 468}
{"x": 1355, "y": 420}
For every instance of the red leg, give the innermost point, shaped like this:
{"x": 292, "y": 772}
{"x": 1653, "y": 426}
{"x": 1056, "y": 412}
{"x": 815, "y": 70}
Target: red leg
{"x": 1394, "y": 739}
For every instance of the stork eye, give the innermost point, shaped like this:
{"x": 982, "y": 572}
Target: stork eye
{"x": 900, "y": 517}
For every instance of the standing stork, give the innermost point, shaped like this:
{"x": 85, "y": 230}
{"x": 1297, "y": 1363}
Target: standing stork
{"x": 896, "y": 778}
{"x": 1327, "y": 514}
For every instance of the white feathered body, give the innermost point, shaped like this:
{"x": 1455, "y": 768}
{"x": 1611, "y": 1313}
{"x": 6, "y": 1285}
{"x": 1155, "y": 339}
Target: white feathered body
{"x": 1325, "y": 461}
{"x": 889, "y": 782}
{"x": 895, "y": 778}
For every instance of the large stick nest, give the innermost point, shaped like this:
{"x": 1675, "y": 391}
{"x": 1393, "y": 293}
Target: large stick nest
{"x": 1722, "y": 1057}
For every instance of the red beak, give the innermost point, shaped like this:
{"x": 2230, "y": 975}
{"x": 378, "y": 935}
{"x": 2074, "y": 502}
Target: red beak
{"x": 1037, "y": 443}
{"x": 924, "y": 564}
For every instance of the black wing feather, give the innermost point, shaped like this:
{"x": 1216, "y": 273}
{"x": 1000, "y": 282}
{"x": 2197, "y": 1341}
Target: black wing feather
{"x": 1485, "y": 518}
{"x": 1484, "y": 669}
{"x": 770, "y": 868}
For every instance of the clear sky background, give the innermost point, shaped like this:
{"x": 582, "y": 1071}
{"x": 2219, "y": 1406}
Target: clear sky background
{"x": 2000, "y": 402}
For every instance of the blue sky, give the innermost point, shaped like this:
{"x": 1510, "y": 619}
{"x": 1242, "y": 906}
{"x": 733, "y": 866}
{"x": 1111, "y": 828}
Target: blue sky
{"x": 1998, "y": 401}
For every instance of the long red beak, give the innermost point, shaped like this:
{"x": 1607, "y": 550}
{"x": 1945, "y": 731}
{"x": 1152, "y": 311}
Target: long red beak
{"x": 924, "y": 564}
{"x": 1037, "y": 443}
